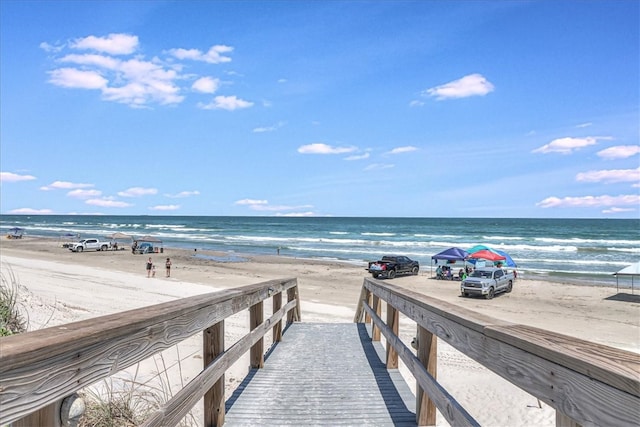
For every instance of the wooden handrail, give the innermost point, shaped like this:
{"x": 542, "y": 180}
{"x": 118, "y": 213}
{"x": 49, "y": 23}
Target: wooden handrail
{"x": 589, "y": 383}
{"x": 40, "y": 368}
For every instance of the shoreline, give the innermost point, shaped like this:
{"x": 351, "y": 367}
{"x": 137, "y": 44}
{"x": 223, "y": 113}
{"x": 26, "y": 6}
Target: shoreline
{"x": 230, "y": 257}
{"x": 59, "y": 287}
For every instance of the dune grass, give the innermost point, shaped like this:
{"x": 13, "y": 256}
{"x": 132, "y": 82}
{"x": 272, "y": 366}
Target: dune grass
{"x": 12, "y": 321}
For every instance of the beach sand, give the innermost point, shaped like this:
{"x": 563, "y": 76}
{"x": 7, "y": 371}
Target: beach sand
{"x": 59, "y": 286}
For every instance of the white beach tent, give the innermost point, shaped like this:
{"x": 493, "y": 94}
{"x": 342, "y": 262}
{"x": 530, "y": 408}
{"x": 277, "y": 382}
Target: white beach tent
{"x": 631, "y": 270}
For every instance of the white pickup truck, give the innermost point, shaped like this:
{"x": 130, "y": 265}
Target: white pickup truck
{"x": 89, "y": 245}
{"x": 487, "y": 282}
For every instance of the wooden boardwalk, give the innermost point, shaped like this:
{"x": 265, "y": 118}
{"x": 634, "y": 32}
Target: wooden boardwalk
{"x": 323, "y": 374}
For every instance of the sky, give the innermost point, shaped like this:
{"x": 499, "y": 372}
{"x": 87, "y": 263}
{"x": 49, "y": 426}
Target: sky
{"x": 514, "y": 109}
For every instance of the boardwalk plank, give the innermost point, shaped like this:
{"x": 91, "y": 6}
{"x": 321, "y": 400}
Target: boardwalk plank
{"x": 323, "y": 374}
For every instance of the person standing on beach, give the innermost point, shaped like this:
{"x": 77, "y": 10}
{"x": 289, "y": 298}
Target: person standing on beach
{"x": 149, "y": 267}
{"x": 167, "y": 265}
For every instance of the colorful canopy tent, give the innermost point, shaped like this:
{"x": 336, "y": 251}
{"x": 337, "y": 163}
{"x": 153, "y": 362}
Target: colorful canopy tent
{"x": 452, "y": 254}
{"x": 487, "y": 255}
{"x": 631, "y": 270}
{"x": 507, "y": 261}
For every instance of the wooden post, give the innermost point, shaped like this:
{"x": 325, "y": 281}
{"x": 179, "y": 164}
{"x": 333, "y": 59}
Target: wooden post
{"x": 393, "y": 320}
{"x": 293, "y": 315}
{"x": 277, "y": 328}
{"x": 49, "y": 416}
{"x": 367, "y": 299}
{"x": 212, "y": 347}
{"x": 428, "y": 356}
{"x": 377, "y": 307}
{"x": 256, "y": 317}
{"x": 563, "y": 420}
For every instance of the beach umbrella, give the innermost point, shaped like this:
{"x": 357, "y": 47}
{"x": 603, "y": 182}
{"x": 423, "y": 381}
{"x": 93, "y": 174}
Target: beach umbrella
{"x": 487, "y": 255}
{"x": 119, "y": 235}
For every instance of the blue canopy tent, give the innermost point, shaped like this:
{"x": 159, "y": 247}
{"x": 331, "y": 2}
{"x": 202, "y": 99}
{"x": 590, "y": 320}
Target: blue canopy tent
{"x": 451, "y": 255}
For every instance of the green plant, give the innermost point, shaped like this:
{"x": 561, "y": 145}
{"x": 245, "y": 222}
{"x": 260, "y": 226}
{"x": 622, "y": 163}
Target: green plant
{"x": 125, "y": 402}
{"x": 12, "y": 321}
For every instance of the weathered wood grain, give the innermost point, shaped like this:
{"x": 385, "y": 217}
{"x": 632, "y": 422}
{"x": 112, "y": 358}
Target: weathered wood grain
{"x": 453, "y": 412}
{"x": 181, "y": 403}
{"x": 560, "y": 370}
{"x": 40, "y": 367}
{"x": 323, "y": 375}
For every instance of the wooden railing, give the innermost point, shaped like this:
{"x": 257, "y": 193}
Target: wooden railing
{"x": 39, "y": 369}
{"x": 586, "y": 383}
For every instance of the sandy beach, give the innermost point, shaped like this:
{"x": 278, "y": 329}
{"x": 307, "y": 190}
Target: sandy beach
{"x": 58, "y": 286}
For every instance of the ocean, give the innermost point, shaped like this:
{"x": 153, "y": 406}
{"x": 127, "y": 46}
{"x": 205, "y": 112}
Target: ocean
{"x": 587, "y": 251}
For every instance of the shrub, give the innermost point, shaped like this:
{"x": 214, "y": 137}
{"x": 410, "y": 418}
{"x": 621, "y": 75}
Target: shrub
{"x": 11, "y": 320}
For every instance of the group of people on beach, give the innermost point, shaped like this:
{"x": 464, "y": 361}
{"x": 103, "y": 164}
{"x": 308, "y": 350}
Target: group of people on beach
{"x": 444, "y": 272}
{"x": 151, "y": 268}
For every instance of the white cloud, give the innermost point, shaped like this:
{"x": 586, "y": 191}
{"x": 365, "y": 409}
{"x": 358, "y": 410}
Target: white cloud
{"x": 357, "y": 157}
{"x": 416, "y": 103}
{"x": 65, "y": 185}
{"x": 101, "y": 61}
{"x": 584, "y": 125}
{"x": 228, "y": 103}
{"x": 213, "y": 55}
{"x": 135, "y": 81}
{"x": 183, "y": 194}
{"x": 138, "y": 192}
{"x": 282, "y": 80}
{"x": 619, "y": 152}
{"x": 84, "y": 194}
{"x": 615, "y": 210}
{"x": 619, "y": 175}
{"x": 251, "y": 202}
{"x": 297, "y": 214}
{"x": 406, "y": 149}
{"x": 379, "y": 166}
{"x": 320, "y": 148}
{"x": 14, "y": 177}
{"x": 277, "y": 208}
{"x": 108, "y": 203}
{"x": 164, "y": 207}
{"x": 471, "y": 85}
{"x": 589, "y": 201}
{"x": 114, "y": 44}
{"x": 206, "y": 85}
{"x": 30, "y": 211}
{"x": 568, "y": 145}
{"x": 268, "y": 128}
{"x": 78, "y": 79}
{"x": 50, "y": 48}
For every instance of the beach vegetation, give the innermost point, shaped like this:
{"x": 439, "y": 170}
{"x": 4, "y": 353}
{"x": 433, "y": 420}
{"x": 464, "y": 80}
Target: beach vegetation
{"x": 129, "y": 402}
{"x": 12, "y": 319}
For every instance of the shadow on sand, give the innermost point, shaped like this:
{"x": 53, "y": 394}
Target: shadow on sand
{"x": 625, "y": 298}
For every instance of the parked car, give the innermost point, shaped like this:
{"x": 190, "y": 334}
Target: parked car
{"x": 391, "y": 265}
{"x": 89, "y": 245}
{"x": 487, "y": 282}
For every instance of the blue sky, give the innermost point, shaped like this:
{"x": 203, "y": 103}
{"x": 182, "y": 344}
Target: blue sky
{"x": 310, "y": 108}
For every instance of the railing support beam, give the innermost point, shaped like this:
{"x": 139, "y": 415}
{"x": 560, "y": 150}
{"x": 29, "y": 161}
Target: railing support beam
{"x": 213, "y": 346}
{"x": 277, "y": 328}
{"x": 256, "y": 317}
{"x": 428, "y": 356}
{"x": 393, "y": 320}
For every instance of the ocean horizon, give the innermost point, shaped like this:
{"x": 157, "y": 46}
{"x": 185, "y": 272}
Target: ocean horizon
{"x": 586, "y": 251}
